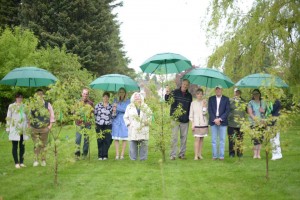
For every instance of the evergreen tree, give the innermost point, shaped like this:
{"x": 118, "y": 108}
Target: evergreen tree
{"x": 9, "y": 13}
{"x": 87, "y": 28}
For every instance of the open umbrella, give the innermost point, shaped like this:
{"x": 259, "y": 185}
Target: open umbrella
{"x": 113, "y": 82}
{"x": 166, "y": 63}
{"x": 261, "y": 80}
{"x": 208, "y": 77}
{"x": 29, "y": 77}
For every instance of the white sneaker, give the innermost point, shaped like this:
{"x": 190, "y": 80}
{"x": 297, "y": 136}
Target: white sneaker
{"x": 17, "y": 166}
{"x": 43, "y": 164}
{"x": 104, "y": 158}
{"x": 122, "y": 158}
{"x": 36, "y": 163}
{"x": 22, "y": 165}
{"x": 100, "y": 159}
{"x": 117, "y": 157}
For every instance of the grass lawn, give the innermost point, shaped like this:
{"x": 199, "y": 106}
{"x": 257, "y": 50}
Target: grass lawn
{"x": 151, "y": 179}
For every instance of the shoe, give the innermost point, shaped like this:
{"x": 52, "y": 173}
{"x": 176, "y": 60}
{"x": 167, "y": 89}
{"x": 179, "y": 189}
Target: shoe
{"x": 276, "y": 158}
{"x": 258, "y": 157}
{"x": 182, "y": 157}
{"x": 99, "y": 158}
{"x": 231, "y": 156}
{"x": 117, "y": 157}
{"x": 197, "y": 158}
{"x": 22, "y": 165}
{"x": 104, "y": 158}
{"x": 200, "y": 157}
{"x": 122, "y": 157}
{"x": 254, "y": 157}
{"x": 17, "y": 166}
{"x": 36, "y": 163}
{"x": 43, "y": 164}
{"x": 172, "y": 158}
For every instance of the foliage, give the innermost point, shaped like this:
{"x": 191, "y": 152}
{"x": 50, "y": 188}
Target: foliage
{"x": 86, "y": 28}
{"x": 9, "y": 13}
{"x": 162, "y": 122}
{"x": 261, "y": 39}
{"x": 267, "y": 128}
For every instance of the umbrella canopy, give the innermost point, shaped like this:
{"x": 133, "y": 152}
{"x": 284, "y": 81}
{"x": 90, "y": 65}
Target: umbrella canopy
{"x": 208, "y": 77}
{"x": 166, "y": 63}
{"x": 113, "y": 82}
{"x": 261, "y": 80}
{"x": 29, "y": 77}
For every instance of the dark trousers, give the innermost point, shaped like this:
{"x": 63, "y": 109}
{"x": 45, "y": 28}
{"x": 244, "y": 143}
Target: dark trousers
{"x": 85, "y": 147}
{"x": 15, "y": 150}
{"x": 234, "y": 134}
{"x": 104, "y": 140}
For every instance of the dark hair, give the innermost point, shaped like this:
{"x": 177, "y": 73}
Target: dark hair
{"x": 186, "y": 80}
{"x": 18, "y": 94}
{"x": 256, "y": 90}
{"x": 121, "y": 88}
{"x": 199, "y": 90}
{"x": 39, "y": 90}
{"x": 106, "y": 94}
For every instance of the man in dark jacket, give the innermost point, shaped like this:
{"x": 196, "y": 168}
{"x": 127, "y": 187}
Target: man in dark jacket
{"x": 182, "y": 97}
{"x": 218, "y": 109}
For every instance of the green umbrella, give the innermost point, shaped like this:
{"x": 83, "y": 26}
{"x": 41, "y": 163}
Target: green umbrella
{"x": 261, "y": 80}
{"x": 208, "y": 77}
{"x": 166, "y": 63}
{"x": 29, "y": 77}
{"x": 113, "y": 82}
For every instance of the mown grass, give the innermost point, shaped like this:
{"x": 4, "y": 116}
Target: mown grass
{"x": 151, "y": 179}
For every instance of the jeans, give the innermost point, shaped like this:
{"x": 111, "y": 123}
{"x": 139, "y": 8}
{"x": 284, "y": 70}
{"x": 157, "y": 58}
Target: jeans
{"x": 140, "y": 147}
{"x": 15, "y": 150}
{"x": 218, "y": 131}
{"x": 85, "y": 147}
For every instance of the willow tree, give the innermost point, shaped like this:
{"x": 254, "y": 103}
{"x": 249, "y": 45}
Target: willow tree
{"x": 261, "y": 38}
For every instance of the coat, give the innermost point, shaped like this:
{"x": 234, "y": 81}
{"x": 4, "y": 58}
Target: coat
{"x": 16, "y": 122}
{"x": 224, "y": 109}
{"x": 138, "y": 125}
{"x": 198, "y": 114}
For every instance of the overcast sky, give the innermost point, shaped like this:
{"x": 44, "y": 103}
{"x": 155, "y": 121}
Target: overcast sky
{"x": 157, "y": 26}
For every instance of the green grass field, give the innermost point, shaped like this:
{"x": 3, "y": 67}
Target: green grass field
{"x": 151, "y": 179}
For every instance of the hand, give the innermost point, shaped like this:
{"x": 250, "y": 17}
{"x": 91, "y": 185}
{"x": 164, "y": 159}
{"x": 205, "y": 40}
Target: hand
{"x": 193, "y": 128}
{"x": 217, "y": 121}
{"x": 204, "y": 103}
{"x": 261, "y": 110}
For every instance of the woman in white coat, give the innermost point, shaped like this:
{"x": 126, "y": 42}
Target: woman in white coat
{"x": 16, "y": 124}
{"x": 137, "y": 118}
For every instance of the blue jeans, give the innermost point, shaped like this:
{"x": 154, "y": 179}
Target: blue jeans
{"x": 218, "y": 131}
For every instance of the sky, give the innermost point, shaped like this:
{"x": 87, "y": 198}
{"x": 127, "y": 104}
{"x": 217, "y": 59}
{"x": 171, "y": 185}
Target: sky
{"x": 149, "y": 27}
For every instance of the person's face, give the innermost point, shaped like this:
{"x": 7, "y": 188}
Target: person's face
{"x": 184, "y": 86}
{"x": 256, "y": 96}
{"x": 137, "y": 99}
{"x": 40, "y": 94}
{"x": 105, "y": 98}
{"x": 122, "y": 94}
{"x": 218, "y": 91}
{"x": 19, "y": 99}
{"x": 85, "y": 94}
{"x": 237, "y": 93}
{"x": 199, "y": 95}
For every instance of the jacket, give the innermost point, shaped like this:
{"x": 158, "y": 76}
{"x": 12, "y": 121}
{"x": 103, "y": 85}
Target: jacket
{"x": 183, "y": 100}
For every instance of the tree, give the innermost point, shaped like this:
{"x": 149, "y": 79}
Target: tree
{"x": 86, "y": 27}
{"x": 9, "y": 13}
{"x": 263, "y": 39}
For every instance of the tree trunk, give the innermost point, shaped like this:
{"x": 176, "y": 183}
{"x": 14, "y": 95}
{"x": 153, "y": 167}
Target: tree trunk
{"x": 267, "y": 164}
{"x": 55, "y": 164}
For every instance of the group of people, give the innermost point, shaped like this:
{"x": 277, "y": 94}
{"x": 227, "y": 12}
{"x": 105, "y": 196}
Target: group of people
{"x": 129, "y": 119}
{"x": 221, "y": 114}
